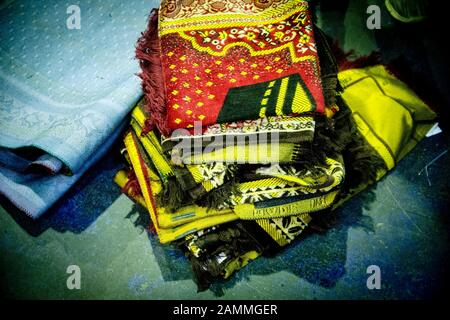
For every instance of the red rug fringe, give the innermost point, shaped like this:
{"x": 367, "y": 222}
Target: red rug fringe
{"x": 345, "y": 62}
{"x": 132, "y": 187}
{"x": 148, "y": 51}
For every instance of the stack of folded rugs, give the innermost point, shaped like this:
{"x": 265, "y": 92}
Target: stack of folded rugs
{"x": 248, "y": 134}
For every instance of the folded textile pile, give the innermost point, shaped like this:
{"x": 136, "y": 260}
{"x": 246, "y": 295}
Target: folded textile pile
{"x": 64, "y": 92}
{"x": 243, "y": 139}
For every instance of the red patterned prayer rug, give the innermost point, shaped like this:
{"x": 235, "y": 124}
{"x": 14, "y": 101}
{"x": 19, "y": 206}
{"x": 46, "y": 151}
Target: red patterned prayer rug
{"x": 225, "y": 60}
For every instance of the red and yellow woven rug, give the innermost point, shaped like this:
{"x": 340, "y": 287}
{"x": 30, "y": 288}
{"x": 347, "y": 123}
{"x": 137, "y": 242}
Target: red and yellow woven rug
{"x": 225, "y": 61}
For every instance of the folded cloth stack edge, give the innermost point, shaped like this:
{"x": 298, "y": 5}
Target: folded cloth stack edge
{"x": 389, "y": 140}
{"x": 222, "y": 214}
{"x": 314, "y": 185}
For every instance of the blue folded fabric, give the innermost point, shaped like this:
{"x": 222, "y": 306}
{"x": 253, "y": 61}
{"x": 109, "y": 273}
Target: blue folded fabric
{"x": 35, "y": 191}
{"x": 64, "y": 91}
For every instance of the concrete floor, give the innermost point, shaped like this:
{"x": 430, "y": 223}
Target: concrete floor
{"x": 401, "y": 225}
